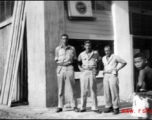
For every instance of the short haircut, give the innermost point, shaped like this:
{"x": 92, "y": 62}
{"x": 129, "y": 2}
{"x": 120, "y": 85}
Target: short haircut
{"x": 65, "y": 35}
{"x": 140, "y": 55}
{"x": 107, "y": 46}
{"x": 88, "y": 42}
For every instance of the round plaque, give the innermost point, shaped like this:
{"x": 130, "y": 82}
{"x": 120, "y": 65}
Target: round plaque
{"x": 81, "y": 7}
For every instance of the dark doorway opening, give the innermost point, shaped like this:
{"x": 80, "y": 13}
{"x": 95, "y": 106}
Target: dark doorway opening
{"x": 20, "y": 96}
{"x": 143, "y": 45}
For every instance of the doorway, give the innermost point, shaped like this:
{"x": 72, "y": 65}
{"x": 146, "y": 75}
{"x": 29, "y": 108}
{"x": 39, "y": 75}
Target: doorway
{"x": 20, "y": 96}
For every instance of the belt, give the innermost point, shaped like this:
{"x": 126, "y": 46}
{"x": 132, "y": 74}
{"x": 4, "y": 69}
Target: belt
{"x": 65, "y": 65}
{"x": 108, "y": 73}
{"x": 89, "y": 68}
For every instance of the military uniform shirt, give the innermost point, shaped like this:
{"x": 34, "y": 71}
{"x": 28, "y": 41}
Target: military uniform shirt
{"x": 89, "y": 61}
{"x": 65, "y": 55}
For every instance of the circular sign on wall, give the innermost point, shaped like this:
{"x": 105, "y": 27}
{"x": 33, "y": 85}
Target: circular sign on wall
{"x": 81, "y": 7}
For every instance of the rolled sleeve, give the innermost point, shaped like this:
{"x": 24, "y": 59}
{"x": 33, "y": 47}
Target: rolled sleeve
{"x": 119, "y": 60}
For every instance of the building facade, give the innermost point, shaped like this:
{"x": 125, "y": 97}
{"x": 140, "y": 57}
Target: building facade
{"x": 111, "y": 22}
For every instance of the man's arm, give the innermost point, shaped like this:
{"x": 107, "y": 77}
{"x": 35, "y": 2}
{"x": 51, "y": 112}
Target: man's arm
{"x": 79, "y": 66}
{"x": 98, "y": 63}
{"x": 121, "y": 66}
{"x": 75, "y": 57}
{"x": 98, "y": 67}
{"x": 56, "y": 56}
{"x": 79, "y": 63}
{"x": 141, "y": 79}
{"x": 122, "y": 62}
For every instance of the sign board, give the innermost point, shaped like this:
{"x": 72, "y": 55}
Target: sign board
{"x": 80, "y": 9}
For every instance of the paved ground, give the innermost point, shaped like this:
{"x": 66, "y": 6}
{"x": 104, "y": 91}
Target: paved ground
{"x": 27, "y": 112}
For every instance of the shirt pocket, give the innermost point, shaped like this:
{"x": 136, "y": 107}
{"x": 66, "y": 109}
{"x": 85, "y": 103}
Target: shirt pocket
{"x": 84, "y": 58}
{"x": 61, "y": 53}
{"x": 69, "y": 58}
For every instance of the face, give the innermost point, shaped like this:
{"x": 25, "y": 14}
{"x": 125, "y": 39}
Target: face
{"x": 107, "y": 51}
{"x": 87, "y": 47}
{"x": 64, "y": 40}
{"x": 139, "y": 63}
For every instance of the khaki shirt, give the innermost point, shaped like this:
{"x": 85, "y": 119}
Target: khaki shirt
{"x": 112, "y": 63}
{"x": 89, "y": 61}
{"x": 65, "y": 55}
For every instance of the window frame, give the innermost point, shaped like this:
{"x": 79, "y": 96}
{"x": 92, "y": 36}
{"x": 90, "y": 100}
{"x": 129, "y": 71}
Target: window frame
{"x": 8, "y": 20}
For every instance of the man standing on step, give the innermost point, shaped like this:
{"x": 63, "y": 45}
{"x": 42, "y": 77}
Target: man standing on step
{"x": 110, "y": 81}
{"x": 65, "y": 55}
{"x": 91, "y": 61}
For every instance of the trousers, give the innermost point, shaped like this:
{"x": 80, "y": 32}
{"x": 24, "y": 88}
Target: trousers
{"x": 111, "y": 90}
{"x": 88, "y": 77}
{"x": 66, "y": 74}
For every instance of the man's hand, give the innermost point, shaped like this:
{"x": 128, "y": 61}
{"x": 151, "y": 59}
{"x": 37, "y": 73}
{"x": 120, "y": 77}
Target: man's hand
{"x": 81, "y": 69}
{"x": 115, "y": 72}
{"x": 63, "y": 63}
{"x": 67, "y": 63}
{"x": 60, "y": 63}
{"x": 97, "y": 72}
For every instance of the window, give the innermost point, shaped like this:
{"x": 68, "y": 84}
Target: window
{"x": 97, "y": 5}
{"x": 147, "y": 5}
{"x": 6, "y": 10}
{"x": 101, "y": 5}
{"x": 140, "y": 17}
{"x": 140, "y": 24}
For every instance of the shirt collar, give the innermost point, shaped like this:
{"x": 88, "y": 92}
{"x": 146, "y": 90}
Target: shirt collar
{"x": 61, "y": 46}
{"x": 111, "y": 56}
{"x": 90, "y": 52}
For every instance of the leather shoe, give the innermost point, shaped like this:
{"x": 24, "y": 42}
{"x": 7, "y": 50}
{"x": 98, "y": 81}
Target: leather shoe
{"x": 82, "y": 110}
{"x": 107, "y": 110}
{"x": 116, "y": 111}
{"x": 97, "y": 111}
{"x": 76, "y": 109}
{"x": 59, "y": 110}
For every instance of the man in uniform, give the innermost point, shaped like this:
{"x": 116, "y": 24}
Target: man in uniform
{"x": 90, "y": 68}
{"x": 110, "y": 82}
{"x": 65, "y": 55}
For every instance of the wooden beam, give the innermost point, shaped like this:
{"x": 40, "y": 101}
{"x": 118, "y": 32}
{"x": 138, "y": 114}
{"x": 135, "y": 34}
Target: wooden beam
{"x": 13, "y": 53}
{"x": 9, "y": 47}
{"x": 18, "y": 58}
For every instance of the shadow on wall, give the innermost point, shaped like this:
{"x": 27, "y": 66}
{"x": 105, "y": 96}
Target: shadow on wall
{"x": 78, "y": 90}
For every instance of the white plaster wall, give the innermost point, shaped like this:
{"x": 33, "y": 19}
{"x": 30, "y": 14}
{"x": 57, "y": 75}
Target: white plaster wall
{"x": 36, "y": 54}
{"x": 123, "y": 46}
